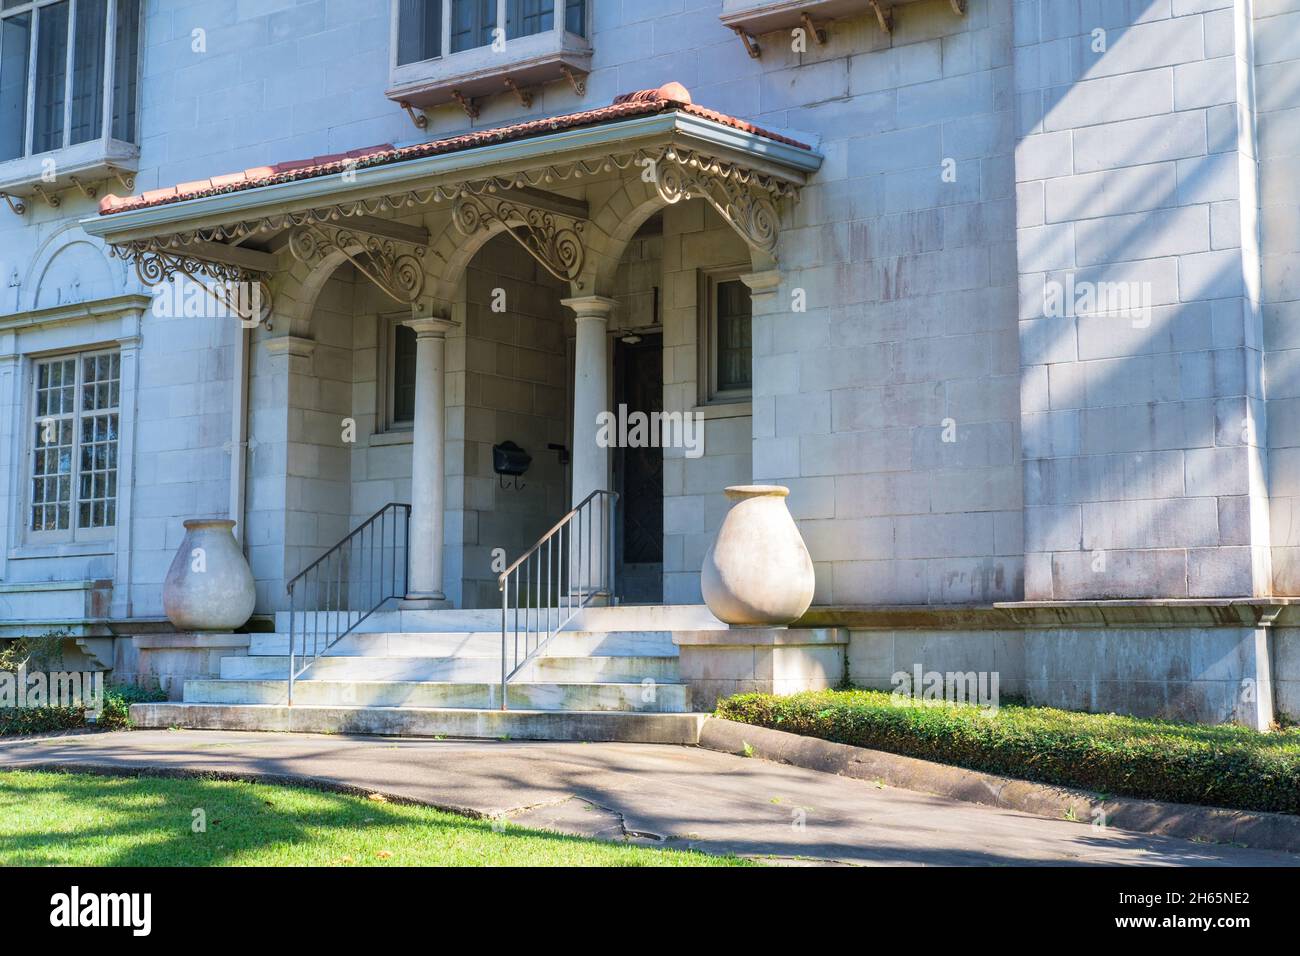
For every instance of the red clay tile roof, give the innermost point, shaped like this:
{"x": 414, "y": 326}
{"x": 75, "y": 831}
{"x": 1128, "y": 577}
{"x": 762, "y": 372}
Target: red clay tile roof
{"x": 671, "y": 96}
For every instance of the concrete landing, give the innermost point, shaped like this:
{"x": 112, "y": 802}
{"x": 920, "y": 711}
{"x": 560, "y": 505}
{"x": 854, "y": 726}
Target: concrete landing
{"x": 668, "y": 796}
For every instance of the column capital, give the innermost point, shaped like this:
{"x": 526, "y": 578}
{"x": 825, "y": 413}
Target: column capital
{"x": 590, "y": 307}
{"x": 430, "y": 327}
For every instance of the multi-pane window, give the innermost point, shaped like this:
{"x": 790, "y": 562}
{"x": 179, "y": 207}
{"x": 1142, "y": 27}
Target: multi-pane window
{"x": 403, "y": 374}
{"x": 726, "y": 337}
{"x": 64, "y": 73}
{"x": 733, "y": 336}
{"x": 470, "y": 23}
{"x": 74, "y": 448}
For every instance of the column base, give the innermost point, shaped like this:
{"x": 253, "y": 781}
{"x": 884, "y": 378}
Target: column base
{"x": 424, "y": 602}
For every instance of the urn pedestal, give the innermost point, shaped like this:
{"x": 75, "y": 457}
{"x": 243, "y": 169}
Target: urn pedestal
{"x": 758, "y": 572}
{"x": 209, "y": 586}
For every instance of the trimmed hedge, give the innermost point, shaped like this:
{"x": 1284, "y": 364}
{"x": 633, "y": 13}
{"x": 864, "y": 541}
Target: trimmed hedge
{"x": 15, "y": 721}
{"x": 1222, "y": 766}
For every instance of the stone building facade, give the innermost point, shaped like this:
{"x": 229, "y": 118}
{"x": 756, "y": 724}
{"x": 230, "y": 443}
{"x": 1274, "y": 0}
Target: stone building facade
{"x": 1020, "y": 344}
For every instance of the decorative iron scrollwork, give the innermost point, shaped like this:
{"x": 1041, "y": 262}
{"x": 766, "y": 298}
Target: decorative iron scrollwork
{"x": 240, "y": 291}
{"x": 744, "y": 202}
{"x": 400, "y": 275}
{"x": 552, "y": 239}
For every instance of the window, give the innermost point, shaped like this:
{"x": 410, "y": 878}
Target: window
{"x": 396, "y": 374}
{"x": 470, "y": 23}
{"x": 63, "y": 77}
{"x": 419, "y": 35}
{"x": 74, "y": 448}
{"x": 726, "y": 314}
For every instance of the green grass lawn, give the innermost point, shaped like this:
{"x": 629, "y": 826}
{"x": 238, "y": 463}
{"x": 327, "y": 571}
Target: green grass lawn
{"x": 1221, "y": 765}
{"x": 89, "y": 820}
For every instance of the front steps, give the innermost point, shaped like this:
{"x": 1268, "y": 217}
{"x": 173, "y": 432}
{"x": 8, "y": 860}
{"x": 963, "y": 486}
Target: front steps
{"x": 426, "y": 722}
{"x": 614, "y": 676}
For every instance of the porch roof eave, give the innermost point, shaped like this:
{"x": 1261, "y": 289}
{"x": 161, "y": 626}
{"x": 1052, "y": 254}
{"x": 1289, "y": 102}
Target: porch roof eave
{"x": 781, "y": 161}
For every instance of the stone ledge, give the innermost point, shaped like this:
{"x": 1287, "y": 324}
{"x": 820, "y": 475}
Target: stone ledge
{"x": 760, "y": 637}
{"x": 1274, "y": 831}
{"x": 190, "y": 640}
{"x": 1024, "y": 615}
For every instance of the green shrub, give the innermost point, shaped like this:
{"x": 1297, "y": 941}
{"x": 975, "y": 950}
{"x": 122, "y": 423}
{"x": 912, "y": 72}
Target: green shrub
{"x": 18, "y": 721}
{"x": 1223, "y": 766}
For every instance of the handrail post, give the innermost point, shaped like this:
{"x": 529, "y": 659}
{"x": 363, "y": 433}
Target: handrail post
{"x": 611, "y": 502}
{"x": 505, "y": 605}
{"x": 291, "y": 623}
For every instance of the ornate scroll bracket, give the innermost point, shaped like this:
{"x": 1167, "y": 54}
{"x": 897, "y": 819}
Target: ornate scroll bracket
{"x": 240, "y": 291}
{"x": 553, "y": 239}
{"x": 398, "y": 274}
{"x": 744, "y": 200}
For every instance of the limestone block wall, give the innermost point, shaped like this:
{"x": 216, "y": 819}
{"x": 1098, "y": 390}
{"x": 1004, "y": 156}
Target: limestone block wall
{"x": 696, "y": 239}
{"x": 1277, "y": 59}
{"x": 516, "y": 388}
{"x": 1206, "y": 674}
{"x": 889, "y": 404}
{"x": 1142, "y": 429}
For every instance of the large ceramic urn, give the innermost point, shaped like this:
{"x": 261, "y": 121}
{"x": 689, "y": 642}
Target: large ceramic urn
{"x": 209, "y": 586}
{"x": 758, "y": 572}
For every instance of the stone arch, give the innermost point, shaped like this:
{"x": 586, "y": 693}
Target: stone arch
{"x": 614, "y": 225}
{"x": 453, "y": 251}
{"x": 69, "y": 259}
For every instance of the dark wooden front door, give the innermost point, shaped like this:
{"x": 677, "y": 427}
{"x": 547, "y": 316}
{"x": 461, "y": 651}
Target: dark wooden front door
{"x": 639, "y": 474}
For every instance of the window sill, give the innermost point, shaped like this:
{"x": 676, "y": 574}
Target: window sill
{"x": 527, "y": 62}
{"x": 725, "y": 410}
{"x": 84, "y": 165}
{"x": 756, "y": 17}
{"x": 88, "y": 549}
{"x": 398, "y": 436}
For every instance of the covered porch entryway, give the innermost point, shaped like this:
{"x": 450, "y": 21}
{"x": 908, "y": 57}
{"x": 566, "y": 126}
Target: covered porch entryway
{"x": 418, "y": 309}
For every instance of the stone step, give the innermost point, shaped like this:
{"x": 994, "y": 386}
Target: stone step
{"x": 649, "y": 728}
{"x": 623, "y": 617}
{"x": 654, "y": 697}
{"x": 620, "y": 669}
{"x": 575, "y": 643}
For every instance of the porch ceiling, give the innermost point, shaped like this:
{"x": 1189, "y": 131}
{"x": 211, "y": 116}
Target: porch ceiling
{"x": 201, "y": 228}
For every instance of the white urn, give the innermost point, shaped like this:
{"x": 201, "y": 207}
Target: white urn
{"x": 209, "y": 586}
{"x": 758, "y": 572}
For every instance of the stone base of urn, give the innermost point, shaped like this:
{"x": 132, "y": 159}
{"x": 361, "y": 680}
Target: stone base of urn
{"x": 168, "y": 660}
{"x": 768, "y": 660}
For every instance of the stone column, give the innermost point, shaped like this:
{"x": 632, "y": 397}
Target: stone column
{"x": 427, "y": 455}
{"x": 591, "y": 396}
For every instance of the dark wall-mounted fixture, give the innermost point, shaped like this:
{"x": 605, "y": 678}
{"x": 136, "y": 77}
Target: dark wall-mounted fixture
{"x": 509, "y": 459}
{"x": 562, "y": 450}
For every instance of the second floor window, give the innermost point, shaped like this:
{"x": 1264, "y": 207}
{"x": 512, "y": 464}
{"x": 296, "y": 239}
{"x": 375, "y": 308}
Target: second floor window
{"x": 471, "y": 23}
{"x": 68, "y": 72}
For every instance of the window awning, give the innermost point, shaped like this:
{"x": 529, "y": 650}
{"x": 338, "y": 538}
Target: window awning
{"x": 231, "y": 227}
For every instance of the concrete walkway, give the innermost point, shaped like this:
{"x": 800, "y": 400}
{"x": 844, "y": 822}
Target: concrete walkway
{"x": 682, "y": 796}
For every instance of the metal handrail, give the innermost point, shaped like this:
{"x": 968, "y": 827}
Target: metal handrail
{"x": 356, "y": 576}
{"x": 561, "y": 577}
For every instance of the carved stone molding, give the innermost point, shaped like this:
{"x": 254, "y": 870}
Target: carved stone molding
{"x": 554, "y": 240}
{"x": 398, "y": 274}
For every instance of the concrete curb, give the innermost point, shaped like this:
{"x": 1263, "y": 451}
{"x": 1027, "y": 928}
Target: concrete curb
{"x": 1271, "y": 831}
